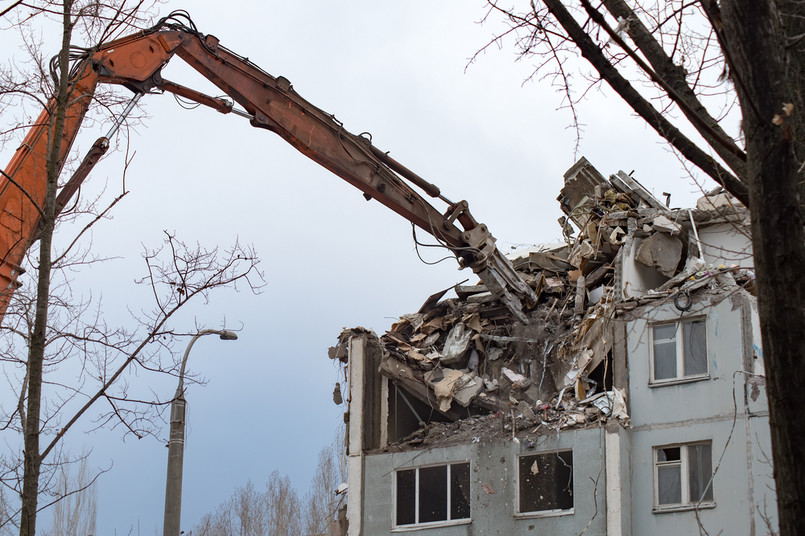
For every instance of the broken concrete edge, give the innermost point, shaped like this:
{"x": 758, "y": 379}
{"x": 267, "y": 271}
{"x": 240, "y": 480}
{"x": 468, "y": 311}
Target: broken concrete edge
{"x": 469, "y": 357}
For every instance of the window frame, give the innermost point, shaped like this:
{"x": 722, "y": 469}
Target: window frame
{"x": 544, "y": 513}
{"x": 686, "y": 502}
{"x": 679, "y": 348}
{"x": 428, "y": 524}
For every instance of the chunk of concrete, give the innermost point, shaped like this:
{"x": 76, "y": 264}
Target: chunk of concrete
{"x": 663, "y": 224}
{"x": 524, "y": 409}
{"x": 716, "y": 202}
{"x": 458, "y": 340}
{"x": 517, "y": 380}
{"x": 662, "y": 252}
{"x": 554, "y": 285}
{"x": 462, "y": 291}
{"x": 467, "y": 388}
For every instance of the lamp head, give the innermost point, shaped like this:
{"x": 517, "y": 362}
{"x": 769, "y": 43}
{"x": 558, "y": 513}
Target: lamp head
{"x": 228, "y": 335}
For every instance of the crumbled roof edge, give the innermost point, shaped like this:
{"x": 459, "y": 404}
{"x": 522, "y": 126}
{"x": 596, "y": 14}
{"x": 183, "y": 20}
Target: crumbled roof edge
{"x": 468, "y": 352}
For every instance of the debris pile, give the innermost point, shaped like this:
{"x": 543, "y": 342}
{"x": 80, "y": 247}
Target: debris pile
{"x": 515, "y": 424}
{"x": 473, "y": 358}
{"x": 469, "y": 359}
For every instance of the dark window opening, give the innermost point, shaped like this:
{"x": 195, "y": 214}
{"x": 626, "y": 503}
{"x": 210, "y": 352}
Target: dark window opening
{"x": 668, "y": 454}
{"x": 405, "y": 412}
{"x": 546, "y": 482}
{"x": 433, "y": 494}
{"x": 602, "y": 375}
{"x": 406, "y": 497}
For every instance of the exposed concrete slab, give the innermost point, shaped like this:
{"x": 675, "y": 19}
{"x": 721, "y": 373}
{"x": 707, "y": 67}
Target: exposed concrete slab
{"x": 662, "y": 252}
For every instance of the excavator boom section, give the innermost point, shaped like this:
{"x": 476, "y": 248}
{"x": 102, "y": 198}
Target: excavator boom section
{"x": 271, "y": 103}
{"x": 23, "y": 183}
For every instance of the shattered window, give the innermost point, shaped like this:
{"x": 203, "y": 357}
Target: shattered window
{"x": 546, "y": 482}
{"x": 682, "y": 475}
{"x": 433, "y": 494}
{"x": 669, "y": 476}
{"x": 460, "y": 491}
{"x": 679, "y": 350}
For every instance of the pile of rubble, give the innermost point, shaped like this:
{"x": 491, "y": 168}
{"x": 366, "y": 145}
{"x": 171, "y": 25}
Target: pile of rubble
{"x": 467, "y": 355}
{"x": 516, "y": 423}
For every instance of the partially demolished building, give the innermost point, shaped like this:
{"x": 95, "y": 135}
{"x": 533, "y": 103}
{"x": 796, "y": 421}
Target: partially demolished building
{"x": 631, "y": 403}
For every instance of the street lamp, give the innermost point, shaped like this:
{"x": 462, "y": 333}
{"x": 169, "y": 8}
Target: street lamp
{"x": 173, "y": 486}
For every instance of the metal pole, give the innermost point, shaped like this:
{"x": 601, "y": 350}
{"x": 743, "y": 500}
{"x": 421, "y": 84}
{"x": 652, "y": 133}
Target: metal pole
{"x": 173, "y": 484}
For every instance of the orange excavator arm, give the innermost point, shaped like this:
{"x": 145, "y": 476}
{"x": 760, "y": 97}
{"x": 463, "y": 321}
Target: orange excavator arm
{"x": 270, "y": 103}
{"x": 23, "y": 183}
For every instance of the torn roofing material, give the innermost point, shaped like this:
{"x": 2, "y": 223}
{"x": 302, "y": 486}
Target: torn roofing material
{"x": 467, "y": 356}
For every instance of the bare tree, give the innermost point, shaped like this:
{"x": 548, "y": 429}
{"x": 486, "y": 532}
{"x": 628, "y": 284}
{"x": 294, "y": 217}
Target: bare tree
{"x": 52, "y": 335}
{"x": 103, "y": 360}
{"x": 244, "y": 513}
{"x": 274, "y": 512}
{"x": 321, "y": 500}
{"x": 75, "y": 511}
{"x": 4, "y": 511}
{"x": 278, "y": 511}
{"x": 283, "y": 505}
{"x": 687, "y": 67}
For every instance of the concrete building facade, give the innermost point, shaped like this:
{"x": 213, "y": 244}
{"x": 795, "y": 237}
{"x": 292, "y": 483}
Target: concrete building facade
{"x": 638, "y": 408}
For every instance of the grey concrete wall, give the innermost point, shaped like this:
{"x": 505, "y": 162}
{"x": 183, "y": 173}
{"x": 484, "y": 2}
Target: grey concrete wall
{"x": 731, "y": 514}
{"x": 636, "y": 278}
{"x": 619, "y": 483}
{"x": 725, "y": 243}
{"x": 703, "y": 410}
{"x": 764, "y": 498}
{"x": 728, "y": 408}
{"x": 710, "y": 398}
{"x": 494, "y": 463}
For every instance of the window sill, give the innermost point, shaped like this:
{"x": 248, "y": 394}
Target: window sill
{"x": 544, "y": 513}
{"x": 431, "y": 525}
{"x": 682, "y": 508}
{"x": 678, "y": 381}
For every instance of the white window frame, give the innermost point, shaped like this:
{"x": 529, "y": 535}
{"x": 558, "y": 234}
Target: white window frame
{"x": 686, "y": 501}
{"x": 543, "y": 513}
{"x": 441, "y": 523}
{"x": 679, "y": 339}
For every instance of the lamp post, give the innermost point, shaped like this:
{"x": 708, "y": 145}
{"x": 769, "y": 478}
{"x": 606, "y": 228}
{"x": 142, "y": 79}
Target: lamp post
{"x": 173, "y": 486}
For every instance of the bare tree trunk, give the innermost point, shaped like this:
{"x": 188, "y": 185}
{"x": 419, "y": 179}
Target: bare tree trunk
{"x": 42, "y": 425}
{"x": 36, "y": 351}
{"x": 763, "y": 45}
{"x": 763, "y": 59}
{"x": 653, "y": 117}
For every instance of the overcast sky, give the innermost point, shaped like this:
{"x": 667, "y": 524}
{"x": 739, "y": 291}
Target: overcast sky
{"x": 398, "y": 70}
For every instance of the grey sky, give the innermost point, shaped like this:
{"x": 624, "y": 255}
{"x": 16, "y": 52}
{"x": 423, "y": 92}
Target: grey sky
{"x": 399, "y": 71}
